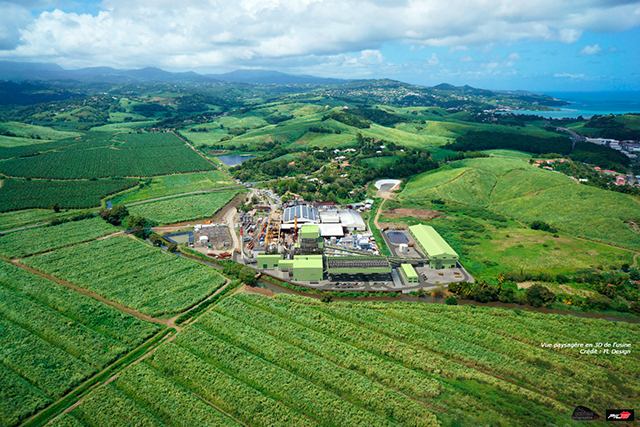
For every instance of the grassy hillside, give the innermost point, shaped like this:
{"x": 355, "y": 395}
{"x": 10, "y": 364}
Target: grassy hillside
{"x": 15, "y": 134}
{"x": 525, "y": 193}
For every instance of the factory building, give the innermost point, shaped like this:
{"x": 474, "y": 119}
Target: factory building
{"x": 300, "y": 214}
{"x": 409, "y": 273}
{"x": 268, "y": 261}
{"x": 358, "y": 265}
{"x": 329, "y": 217}
{"x": 435, "y": 247}
{"x": 331, "y": 230}
{"x": 351, "y": 220}
{"x": 307, "y": 268}
{"x": 310, "y": 241}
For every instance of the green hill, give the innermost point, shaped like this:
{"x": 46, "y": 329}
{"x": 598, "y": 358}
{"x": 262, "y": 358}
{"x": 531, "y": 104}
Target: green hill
{"x": 516, "y": 189}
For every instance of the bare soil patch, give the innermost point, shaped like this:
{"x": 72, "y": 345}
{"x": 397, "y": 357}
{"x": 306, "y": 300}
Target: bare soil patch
{"x": 415, "y": 213}
{"x": 255, "y": 290}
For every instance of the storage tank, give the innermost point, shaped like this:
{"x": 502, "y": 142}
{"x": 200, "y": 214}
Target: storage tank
{"x": 204, "y": 240}
{"x": 404, "y": 249}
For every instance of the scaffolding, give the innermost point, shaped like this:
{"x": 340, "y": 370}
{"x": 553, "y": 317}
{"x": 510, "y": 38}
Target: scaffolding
{"x": 273, "y": 232}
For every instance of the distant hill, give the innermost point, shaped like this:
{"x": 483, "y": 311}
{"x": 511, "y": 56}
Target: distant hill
{"x": 272, "y": 77}
{"x": 25, "y": 71}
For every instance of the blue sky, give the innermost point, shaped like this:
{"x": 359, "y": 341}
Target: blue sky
{"x": 542, "y": 45}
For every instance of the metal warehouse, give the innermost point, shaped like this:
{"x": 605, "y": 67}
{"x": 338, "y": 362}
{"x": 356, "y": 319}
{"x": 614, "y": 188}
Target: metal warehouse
{"x": 439, "y": 252}
{"x": 303, "y": 214}
{"x": 352, "y": 220}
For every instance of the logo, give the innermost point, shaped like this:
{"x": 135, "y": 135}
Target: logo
{"x": 582, "y": 413}
{"x": 620, "y": 415}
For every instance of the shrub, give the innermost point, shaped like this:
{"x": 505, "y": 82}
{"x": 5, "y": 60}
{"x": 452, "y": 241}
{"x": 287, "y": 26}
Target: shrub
{"x": 538, "y": 295}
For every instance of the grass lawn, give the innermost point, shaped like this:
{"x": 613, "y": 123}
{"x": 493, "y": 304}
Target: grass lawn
{"x": 488, "y": 246}
{"x": 26, "y": 134}
{"x": 520, "y": 191}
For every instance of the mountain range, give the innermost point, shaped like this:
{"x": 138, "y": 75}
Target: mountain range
{"x": 30, "y": 71}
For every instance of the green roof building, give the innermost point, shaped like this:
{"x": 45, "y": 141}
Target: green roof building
{"x": 310, "y": 231}
{"x": 285, "y": 264}
{"x": 409, "y": 273}
{"x": 439, "y": 252}
{"x": 307, "y": 268}
{"x": 268, "y": 261}
{"x": 309, "y": 240}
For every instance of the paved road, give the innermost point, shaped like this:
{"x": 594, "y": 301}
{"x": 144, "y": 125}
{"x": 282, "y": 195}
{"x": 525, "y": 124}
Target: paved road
{"x": 574, "y": 136}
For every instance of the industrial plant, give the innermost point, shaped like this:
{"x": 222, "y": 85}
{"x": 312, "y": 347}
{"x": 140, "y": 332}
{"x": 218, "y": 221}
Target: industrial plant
{"x": 322, "y": 246}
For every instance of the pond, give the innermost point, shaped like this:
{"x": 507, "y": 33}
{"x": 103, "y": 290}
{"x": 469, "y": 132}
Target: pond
{"x": 235, "y": 160}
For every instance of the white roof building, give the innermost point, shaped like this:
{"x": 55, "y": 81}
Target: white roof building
{"x": 352, "y": 220}
{"x": 331, "y": 230}
{"x": 329, "y": 217}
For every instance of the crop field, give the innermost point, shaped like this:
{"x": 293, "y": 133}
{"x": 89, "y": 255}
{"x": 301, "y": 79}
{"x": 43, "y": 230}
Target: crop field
{"x": 289, "y": 361}
{"x": 168, "y": 185}
{"x": 15, "y": 219}
{"x": 518, "y": 190}
{"x": 52, "y": 339}
{"x": 24, "y": 150}
{"x": 42, "y": 239}
{"x": 185, "y": 208}
{"x": 16, "y": 194}
{"x": 124, "y": 126}
{"x": 133, "y": 274}
{"x": 101, "y": 154}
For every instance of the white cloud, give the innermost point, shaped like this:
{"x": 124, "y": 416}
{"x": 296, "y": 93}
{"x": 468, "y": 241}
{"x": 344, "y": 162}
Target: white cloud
{"x": 219, "y": 34}
{"x": 455, "y": 49}
{"x": 591, "y": 50}
{"x": 13, "y": 18}
{"x": 465, "y": 58}
{"x": 571, "y": 76}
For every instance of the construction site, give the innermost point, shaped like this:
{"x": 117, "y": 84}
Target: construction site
{"x": 329, "y": 248}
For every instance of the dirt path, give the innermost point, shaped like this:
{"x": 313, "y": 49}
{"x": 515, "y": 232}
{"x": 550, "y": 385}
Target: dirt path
{"x": 384, "y": 195}
{"x": 375, "y": 220}
{"x": 174, "y": 318}
{"x": 230, "y": 219}
{"x": 112, "y": 378}
{"x": 635, "y": 260}
{"x": 254, "y": 290}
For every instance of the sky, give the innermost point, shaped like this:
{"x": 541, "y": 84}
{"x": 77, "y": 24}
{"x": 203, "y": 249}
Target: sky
{"x": 540, "y": 45}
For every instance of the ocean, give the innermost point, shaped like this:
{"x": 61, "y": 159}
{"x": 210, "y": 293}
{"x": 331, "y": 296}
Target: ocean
{"x": 587, "y": 104}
